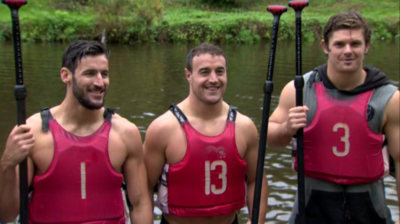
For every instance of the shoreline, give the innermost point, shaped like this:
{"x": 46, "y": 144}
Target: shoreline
{"x": 181, "y": 25}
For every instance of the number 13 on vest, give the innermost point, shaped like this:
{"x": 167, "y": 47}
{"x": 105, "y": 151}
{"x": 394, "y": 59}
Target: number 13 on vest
{"x": 210, "y": 187}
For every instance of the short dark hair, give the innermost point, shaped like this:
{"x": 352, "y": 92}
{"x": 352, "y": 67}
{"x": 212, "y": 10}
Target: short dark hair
{"x": 78, "y": 49}
{"x": 347, "y": 20}
{"x": 204, "y": 48}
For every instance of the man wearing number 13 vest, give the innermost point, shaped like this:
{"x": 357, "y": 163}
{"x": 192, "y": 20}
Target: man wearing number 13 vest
{"x": 203, "y": 149}
{"x": 348, "y": 110}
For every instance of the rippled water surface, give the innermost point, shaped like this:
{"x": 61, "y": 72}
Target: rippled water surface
{"x": 146, "y": 79}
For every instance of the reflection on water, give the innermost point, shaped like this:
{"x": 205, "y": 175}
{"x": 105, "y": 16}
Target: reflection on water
{"x": 146, "y": 79}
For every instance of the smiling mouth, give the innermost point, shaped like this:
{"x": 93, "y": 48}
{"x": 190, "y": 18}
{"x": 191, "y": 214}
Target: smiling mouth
{"x": 96, "y": 92}
{"x": 213, "y": 88}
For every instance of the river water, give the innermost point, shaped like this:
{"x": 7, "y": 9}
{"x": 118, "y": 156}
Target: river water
{"x": 146, "y": 79}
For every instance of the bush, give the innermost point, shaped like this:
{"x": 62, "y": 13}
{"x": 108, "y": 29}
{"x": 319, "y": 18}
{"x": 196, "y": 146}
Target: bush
{"x": 221, "y": 3}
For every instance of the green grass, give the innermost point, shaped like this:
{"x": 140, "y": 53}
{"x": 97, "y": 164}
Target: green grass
{"x": 186, "y": 20}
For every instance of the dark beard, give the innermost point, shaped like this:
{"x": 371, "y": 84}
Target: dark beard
{"x": 80, "y": 96}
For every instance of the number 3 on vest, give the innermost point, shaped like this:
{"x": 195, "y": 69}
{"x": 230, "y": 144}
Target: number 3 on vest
{"x": 221, "y": 176}
{"x": 344, "y": 139}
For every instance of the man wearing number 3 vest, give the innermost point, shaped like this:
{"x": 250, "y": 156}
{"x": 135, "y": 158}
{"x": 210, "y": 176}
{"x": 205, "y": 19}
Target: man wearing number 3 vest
{"x": 78, "y": 152}
{"x": 202, "y": 152}
{"x": 348, "y": 110}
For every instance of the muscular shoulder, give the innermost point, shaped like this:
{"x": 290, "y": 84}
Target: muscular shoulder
{"x": 122, "y": 125}
{"x": 287, "y": 100}
{"x": 288, "y": 95}
{"x": 393, "y": 105}
{"x": 244, "y": 121}
{"x": 246, "y": 126}
{"x": 163, "y": 124}
{"x": 43, "y": 140}
{"x": 160, "y": 131}
{"x": 127, "y": 131}
{"x": 395, "y": 97}
{"x": 35, "y": 122}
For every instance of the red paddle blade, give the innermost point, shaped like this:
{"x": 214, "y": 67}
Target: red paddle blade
{"x": 14, "y": 3}
{"x": 277, "y": 9}
{"x": 298, "y": 4}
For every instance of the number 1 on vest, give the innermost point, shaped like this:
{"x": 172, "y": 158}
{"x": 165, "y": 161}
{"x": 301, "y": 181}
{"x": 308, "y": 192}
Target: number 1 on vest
{"x": 83, "y": 180}
{"x": 221, "y": 176}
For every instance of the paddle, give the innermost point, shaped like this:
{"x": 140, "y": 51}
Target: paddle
{"x": 19, "y": 94}
{"x": 298, "y": 6}
{"x": 277, "y": 11}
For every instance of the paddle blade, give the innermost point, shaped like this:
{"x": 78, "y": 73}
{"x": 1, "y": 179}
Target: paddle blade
{"x": 14, "y": 3}
{"x": 277, "y": 9}
{"x": 298, "y": 4}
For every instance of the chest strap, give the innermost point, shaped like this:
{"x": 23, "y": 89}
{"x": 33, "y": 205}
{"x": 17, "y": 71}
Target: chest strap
{"x": 182, "y": 118}
{"x": 45, "y": 114}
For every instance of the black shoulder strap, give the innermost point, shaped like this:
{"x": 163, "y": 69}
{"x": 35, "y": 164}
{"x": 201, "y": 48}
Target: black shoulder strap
{"x": 182, "y": 118}
{"x": 108, "y": 113}
{"x": 232, "y": 113}
{"x": 178, "y": 113}
{"x": 46, "y": 116}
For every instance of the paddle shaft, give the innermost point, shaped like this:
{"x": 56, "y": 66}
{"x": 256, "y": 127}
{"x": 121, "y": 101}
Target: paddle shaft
{"x": 299, "y": 84}
{"x": 20, "y": 95}
{"x": 277, "y": 11}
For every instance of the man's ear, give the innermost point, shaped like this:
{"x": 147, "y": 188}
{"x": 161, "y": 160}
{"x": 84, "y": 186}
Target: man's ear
{"x": 188, "y": 74}
{"x": 324, "y": 46}
{"x": 366, "y": 49}
{"x": 65, "y": 75}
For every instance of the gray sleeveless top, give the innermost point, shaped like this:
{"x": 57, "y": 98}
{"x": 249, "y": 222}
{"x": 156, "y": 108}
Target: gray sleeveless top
{"x": 376, "y": 110}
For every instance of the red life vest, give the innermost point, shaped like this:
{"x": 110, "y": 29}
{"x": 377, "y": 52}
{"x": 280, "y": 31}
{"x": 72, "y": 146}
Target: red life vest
{"x": 210, "y": 180}
{"x": 80, "y": 185}
{"x": 339, "y": 146}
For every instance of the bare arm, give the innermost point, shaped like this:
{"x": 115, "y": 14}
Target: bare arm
{"x": 135, "y": 176}
{"x": 154, "y": 153}
{"x": 251, "y": 160}
{"x": 286, "y": 118}
{"x": 18, "y": 145}
{"x": 392, "y": 132}
{"x": 9, "y": 192}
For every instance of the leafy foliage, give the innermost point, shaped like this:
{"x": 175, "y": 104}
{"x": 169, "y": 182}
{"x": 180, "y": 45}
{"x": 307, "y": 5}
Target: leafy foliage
{"x": 222, "y": 21}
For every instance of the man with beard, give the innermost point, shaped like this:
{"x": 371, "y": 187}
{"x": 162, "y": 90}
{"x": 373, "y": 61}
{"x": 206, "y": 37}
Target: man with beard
{"x": 79, "y": 152}
{"x": 348, "y": 109}
{"x": 203, "y": 150}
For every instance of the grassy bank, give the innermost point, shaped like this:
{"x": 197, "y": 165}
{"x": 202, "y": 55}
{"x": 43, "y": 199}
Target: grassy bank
{"x": 132, "y": 21}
